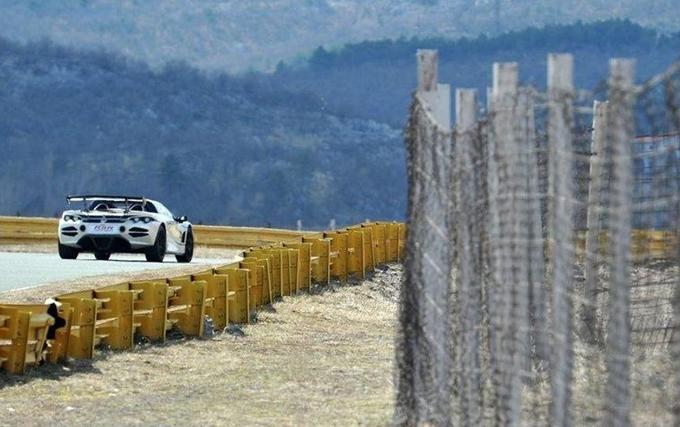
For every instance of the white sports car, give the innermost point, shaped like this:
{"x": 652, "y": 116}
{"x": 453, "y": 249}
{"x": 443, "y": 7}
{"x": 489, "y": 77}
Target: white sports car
{"x": 112, "y": 224}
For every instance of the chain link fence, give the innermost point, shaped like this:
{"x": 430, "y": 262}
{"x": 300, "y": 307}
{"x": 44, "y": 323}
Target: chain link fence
{"x": 543, "y": 268}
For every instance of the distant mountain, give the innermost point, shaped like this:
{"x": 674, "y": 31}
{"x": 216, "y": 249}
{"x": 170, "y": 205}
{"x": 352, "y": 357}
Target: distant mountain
{"x": 219, "y": 149}
{"x": 238, "y": 35}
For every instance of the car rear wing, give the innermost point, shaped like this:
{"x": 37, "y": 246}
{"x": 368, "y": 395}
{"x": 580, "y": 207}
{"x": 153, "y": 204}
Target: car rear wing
{"x": 91, "y": 197}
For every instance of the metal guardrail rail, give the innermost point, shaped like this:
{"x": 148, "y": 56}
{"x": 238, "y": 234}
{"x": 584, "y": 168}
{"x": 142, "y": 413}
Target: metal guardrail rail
{"x": 25, "y": 230}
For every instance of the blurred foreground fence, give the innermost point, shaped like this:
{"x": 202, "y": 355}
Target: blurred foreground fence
{"x": 75, "y": 324}
{"x": 542, "y": 261}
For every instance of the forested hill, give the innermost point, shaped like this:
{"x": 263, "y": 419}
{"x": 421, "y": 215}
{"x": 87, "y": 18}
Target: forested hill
{"x": 311, "y": 142}
{"x": 375, "y": 79}
{"x": 237, "y": 35}
{"x": 218, "y": 149}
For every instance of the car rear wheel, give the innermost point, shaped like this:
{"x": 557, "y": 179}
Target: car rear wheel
{"x": 102, "y": 256}
{"x": 188, "y": 249}
{"x": 156, "y": 253}
{"x": 67, "y": 252}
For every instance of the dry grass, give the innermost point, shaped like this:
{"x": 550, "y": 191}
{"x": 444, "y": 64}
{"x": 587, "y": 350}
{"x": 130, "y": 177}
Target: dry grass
{"x": 321, "y": 359}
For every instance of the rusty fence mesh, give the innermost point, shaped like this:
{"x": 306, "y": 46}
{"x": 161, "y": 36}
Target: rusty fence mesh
{"x": 543, "y": 265}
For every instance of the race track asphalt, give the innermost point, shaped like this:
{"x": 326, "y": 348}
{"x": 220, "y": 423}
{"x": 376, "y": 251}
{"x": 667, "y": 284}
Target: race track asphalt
{"x": 23, "y": 270}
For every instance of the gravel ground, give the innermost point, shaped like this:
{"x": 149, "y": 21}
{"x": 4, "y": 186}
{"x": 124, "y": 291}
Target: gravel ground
{"x": 319, "y": 359}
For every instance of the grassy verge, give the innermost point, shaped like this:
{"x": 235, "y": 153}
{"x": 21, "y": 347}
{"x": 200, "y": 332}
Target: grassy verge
{"x": 320, "y": 359}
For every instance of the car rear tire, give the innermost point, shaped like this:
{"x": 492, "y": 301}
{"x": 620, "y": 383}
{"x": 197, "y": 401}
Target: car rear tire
{"x": 188, "y": 249}
{"x": 67, "y": 252}
{"x": 156, "y": 253}
{"x": 102, "y": 256}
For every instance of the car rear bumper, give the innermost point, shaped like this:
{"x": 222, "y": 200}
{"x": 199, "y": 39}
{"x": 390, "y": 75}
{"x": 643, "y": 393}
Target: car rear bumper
{"x": 137, "y": 239}
{"x": 109, "y": 244}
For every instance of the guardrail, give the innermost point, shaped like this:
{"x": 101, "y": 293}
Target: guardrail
{"x": 24, "y": 230}
{"x": 113, "y": 315}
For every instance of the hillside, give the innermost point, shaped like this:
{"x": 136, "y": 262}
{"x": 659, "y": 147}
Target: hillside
{"x": 387, "y": 69}
{"x": 315, "y": 141}
{"x": 218, "y": 149}
{"x": 236, "y": 35}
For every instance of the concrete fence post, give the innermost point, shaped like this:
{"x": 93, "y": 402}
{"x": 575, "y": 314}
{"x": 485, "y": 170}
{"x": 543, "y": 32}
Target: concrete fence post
{"x": 619, "y": 133}
{"x": 561, "y": 184}
{"x": 436, "y": 97}
{"x": 503, "y": 312}
{"x": 469, "y": 279}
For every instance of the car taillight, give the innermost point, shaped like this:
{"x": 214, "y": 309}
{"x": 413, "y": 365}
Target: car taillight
{"x": 144, "y": 219}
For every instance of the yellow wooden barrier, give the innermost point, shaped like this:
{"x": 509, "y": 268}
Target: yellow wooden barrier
{"x": 186, "y": 305}
{"x": 392, "y": 235}
{"x": 304, "y": 264}
{"x": 402, "y": 241}
{"x": 82, "y": 338}
{"x": 369, "y": 248}
{"x": 294, "y": 269}
{"x": 58, "y": 347}
{"x": 321, "y": 259}
{"x": 356, "y": 263}
{"x": 114, "y": 314}
{"x": 255, "y": 282}
{"x": 23, "y": 332}
{"x": 114, "y": 323}
{"x": 277, "y": 271}
{"x": 339, "y": 253}
{"x": 264, "y": 260}
{"x": 378, "y": 236}
{"x": 217, "y": 290}
{"x": 150, "y": 309}
{"x": 286, "y": 288}
{"x": 239, "y": 308}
